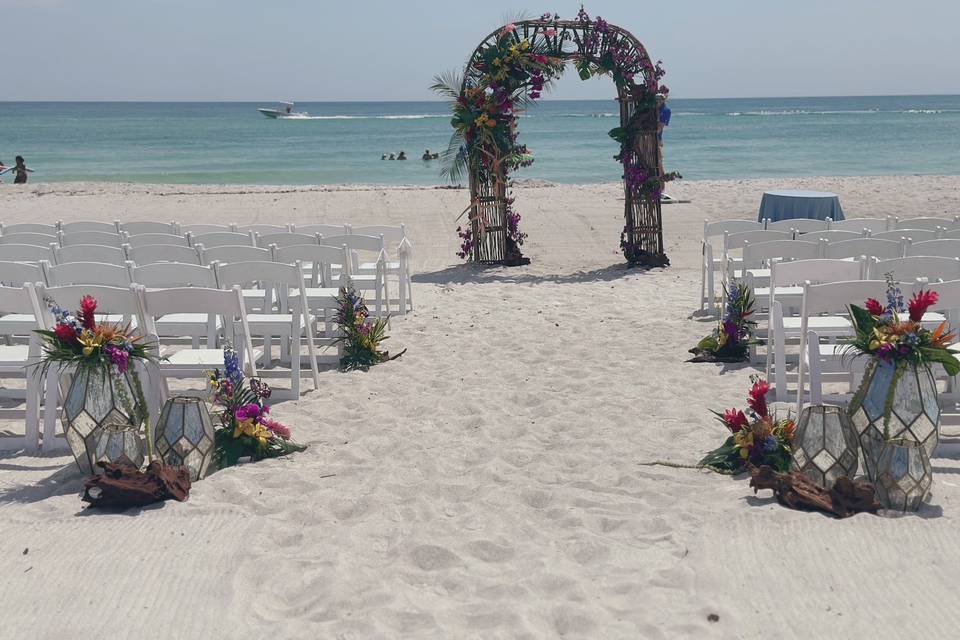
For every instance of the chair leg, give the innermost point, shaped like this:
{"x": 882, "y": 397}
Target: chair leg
{"x": 51, "y": 404}
{"x": 32, "y": 420}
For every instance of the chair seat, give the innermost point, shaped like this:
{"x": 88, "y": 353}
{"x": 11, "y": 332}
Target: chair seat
{"x": 823, "y": 325}
{"x": 14, "y": 355}
{"x": 763, "y": 293}
{"x": 327, "y": 295}
{"x": 185, "y": 324}
{"x": 17, "y": 323}
{"x": 372, "y": 266}
{"x": 197, "y": 358}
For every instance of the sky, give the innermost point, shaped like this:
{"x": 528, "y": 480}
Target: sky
{"x": 318, "y": 50}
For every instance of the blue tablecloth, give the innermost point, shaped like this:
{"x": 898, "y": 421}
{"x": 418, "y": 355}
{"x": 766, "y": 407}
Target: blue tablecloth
{"x": 786, "y": 205}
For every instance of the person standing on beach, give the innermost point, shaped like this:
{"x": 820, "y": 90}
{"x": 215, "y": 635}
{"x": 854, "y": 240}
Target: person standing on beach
{"x": 663, "y": 120}
{"x": 20, "y": 171}
{"x": 3, "y": 170}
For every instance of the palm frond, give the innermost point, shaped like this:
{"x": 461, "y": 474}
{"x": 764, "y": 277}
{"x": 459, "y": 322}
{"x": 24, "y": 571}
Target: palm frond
{"x": 453, "y": 159}
{"x": 447, "y": 84}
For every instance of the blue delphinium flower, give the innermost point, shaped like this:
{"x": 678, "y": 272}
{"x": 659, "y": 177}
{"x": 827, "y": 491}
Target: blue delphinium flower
{"x": 231, "y": 365}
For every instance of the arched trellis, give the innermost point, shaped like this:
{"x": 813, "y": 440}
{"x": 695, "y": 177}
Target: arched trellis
{"x": 510, "y": 67}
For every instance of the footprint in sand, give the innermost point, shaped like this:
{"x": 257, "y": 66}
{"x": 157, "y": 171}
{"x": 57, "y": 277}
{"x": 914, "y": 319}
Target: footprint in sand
{"x": 433, "y": 558}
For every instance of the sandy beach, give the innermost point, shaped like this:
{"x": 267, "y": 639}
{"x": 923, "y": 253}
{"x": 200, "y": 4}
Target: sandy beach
{"x": 495, "y": 481}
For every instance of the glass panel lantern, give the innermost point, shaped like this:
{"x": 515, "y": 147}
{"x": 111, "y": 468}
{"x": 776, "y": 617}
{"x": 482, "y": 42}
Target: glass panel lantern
{"x": 904, "y": 475}
{"x": 825, "y": 445}
{"x": 99, "y": 419}
{"x": 184, "y": 435}
{"x": 912, "y": 411}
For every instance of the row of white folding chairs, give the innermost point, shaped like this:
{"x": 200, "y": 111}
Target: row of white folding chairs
{"x": 149, "y": 306}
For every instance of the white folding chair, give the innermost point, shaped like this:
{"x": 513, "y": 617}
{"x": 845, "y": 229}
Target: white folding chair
{"x": 16, "y": 275}
{"x": 872, "y": 226}
{"x": 322, "y": 229}
{"x": 193, "y": 362}
{"x": 179, "y": 275}
{"x": 786, "y": 295}
{"x": 149, "y": 226}
{"x": 222, "y": 238}
{"x": 90, "y": 253}
{"x": 831, "y": 235}
{"x": 737, "y": 241}
{"x": 286, "y": 239}
{"x": 930, "y": 268}
{"x": 868, "y": 247}
{"x": 20, "y": 361}
{"x": 234, "y": 253}
{"x": 146, "y": 239}
{"x": 799, "y": 225}
{"x": 832, "y": 298}
{"x": 290, "y": 322}
{"x": 29, "y": 227}
{"x": 928, "y": 223}
{"x": 913, "y": 235}
{"x": 35, "y": 239}
{"x": 26, "y": 253}
{"x": 320, "y": 288}
{"x": 200, "y": 228}
{"x": 163, "y": 253}
{"x": 91, "y": 237}
{"x": 111, "y": 275}
{"x": 117, "y": 305}
{"x": 393, "y": 235}
{"x": 709, "y": 264}
{"x": 263, "y": 229}
{"x": 88, "y": 225}
{"x": 376, "y": 280}
{"x": 942, "y": 248}
{"x": 757, "y": 258}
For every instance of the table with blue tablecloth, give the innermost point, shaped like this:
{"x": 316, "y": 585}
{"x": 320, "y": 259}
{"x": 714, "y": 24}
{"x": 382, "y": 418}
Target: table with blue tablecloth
{"x": 790, "y": 204}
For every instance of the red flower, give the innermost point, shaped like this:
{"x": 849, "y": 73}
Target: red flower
{"x": 920, "y": 302}
{"x": 874, "y": 307}
{"x": 87, "y": 306}
{"x": 65, "y": 333}
{"x": 758, "y": 397}
{"x": 734, "y": 419}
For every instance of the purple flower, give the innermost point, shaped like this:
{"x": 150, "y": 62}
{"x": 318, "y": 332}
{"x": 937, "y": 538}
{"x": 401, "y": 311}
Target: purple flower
{"x": 119, "y": 357}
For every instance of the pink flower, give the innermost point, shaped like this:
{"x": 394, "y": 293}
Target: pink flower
{"x": 758, "y": 397}
{"x": 87, "y": 307}
{"x": 874, "y": 307}
{"x": 734, "y": 419}
{"x": 65, "y": 333}
{"x": 920, "y": 302}
{"x": 281, "y": 430}
{"x": 510, "y": 28}
{"x": 549, "y": 32}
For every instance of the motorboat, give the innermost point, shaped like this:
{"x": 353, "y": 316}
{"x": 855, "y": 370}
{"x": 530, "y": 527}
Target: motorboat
{"x": 283, "y": 110}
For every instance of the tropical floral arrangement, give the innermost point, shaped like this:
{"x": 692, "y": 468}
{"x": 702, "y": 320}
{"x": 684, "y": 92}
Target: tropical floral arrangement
{"x": 731, "y": 340}
{"x": 893, "y": 333}
{"x": 79, "y": 340}
{"x": 246, "y": 428}
{"x": 756, "y": 437}
{"x": 509, "y": 72}
{"x": 360, "y": 334}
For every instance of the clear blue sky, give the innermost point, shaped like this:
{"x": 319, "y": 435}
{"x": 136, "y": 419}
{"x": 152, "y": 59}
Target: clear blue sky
{"x": 390, "y": 49}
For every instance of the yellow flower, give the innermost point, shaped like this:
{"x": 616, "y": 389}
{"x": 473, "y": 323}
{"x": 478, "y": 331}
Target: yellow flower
{"x": 496, "y": 62}
{"x": 481, "y": 120}
{"x": 744, "y": 440}
{"x": 248, "y": 428}
{"x": 90, "y": 341}
{"x": 525, "y": 45}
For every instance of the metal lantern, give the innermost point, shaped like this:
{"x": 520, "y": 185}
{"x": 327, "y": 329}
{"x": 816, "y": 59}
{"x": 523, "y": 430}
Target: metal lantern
{"x": 99, "y": 419}
{"x": 912, "y": 413}
{"x": 825, "y": 445}
{"x": 904, "y": 475}
{"x": 184, "y": 435}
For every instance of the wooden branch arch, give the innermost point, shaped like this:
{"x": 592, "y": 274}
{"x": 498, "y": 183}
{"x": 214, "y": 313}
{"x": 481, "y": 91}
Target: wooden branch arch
{"x": 588, "y": 45}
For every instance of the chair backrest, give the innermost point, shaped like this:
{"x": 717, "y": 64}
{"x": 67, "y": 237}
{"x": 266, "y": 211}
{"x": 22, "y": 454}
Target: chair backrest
{"x": 17, "y": 274}
{"x": 914, "y": 235}
{"x": 227, "y": 303}
{"x": 36, "y": 239}
{"x": 114, "y": 300}
{"x": 259, "y": 272}
{"x": 800, "y": 225}
{"x": 832, "y": 235}
{"x": 26, "y": 253}
{"x": 931, "y": 224}
{"x": 953, "y": 234}
{"x": 834, "y": 297}
{"x": 911, "y": 268}
{"x": 149, "y": 226}
{"x": 944, "y": 248}
{"x": 91, "y": 237}
{"x": 88, "y": 273}
{"x": 221, "y": 238}
{"x": 392, "y": 234}
{"x": 948, "y": 297}
{"x": 263, "y": 229}
{"x": 355, "y": 242}
{"x": 146, "y": 239}
{"x": 233, "y": 253}
{"x": 783, "y": 274}
{"x": 199, "y": 228}
{"x": 286, "y": 239}
{"x": 174, "y": 274}
{"x": 29, "y": 227}
{"x": 88, "y": 225}
{"x": 732, "y": 241}
{"x": 322, "y": 229}
{"x": 90, "y": 253}
{"x": 163, "y": 253}
{"x": 320, "y": 256}
{"x": 869, "y": 247}
{"x": 779, "y": 250}
{"x": 20, "y": 299}
{"x": 872, "y": 225}
{"x": 720, "y": 227}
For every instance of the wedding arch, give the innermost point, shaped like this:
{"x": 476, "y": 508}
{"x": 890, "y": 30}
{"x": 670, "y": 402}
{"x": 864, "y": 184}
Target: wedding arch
{"x": 509, "y": 70}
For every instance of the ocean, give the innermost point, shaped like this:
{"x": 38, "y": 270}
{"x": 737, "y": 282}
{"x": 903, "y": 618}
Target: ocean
{"x": 342, "y": 142}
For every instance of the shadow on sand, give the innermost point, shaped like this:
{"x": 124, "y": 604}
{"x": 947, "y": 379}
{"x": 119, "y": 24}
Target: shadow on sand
{"x": 480, "y": 274}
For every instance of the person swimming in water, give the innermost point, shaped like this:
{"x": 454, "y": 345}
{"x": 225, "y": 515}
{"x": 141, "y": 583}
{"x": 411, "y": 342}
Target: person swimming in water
{"x": 392, "y": 157}
{"x": 426, "y": 155}
{"x": 402, "y": 155}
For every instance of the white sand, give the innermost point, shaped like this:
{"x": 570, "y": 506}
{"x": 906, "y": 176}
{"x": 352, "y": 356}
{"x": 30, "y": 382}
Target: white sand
{"x": 489, "y": 484}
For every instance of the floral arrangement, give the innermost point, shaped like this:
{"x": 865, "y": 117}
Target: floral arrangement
{"x": 79, "y": 340}
{"x": 731, "y": 340}
{"x": 246, "y": 428}
{"x": 509, "y": 72}
{"x": 882, "y": 331}
{"x": 360, "y": 334}
{"x": 756, "y": 437}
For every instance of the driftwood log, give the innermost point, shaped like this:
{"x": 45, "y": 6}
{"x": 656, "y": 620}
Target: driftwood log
{"x": 797, "y": 491}
{"x": 122, "y": 486}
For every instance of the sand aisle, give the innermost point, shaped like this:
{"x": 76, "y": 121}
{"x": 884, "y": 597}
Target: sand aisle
{"x": 489, "y": 484}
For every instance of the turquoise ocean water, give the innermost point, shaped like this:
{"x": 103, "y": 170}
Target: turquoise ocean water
{"x": 343, "y": 141}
